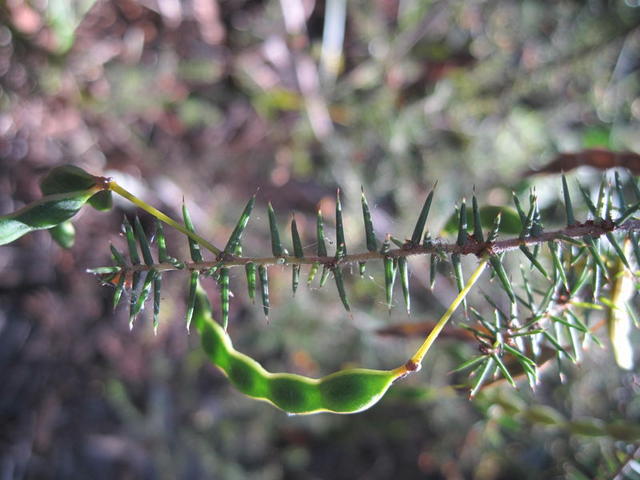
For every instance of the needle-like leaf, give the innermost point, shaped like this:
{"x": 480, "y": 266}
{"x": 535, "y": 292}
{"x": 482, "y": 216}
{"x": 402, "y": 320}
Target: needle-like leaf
{"x": 161, "y": 242}
{"x": 477, "y": 222}
{"x": 250, "y": 271}
{"x": 157, "y": 288}
{"x": 341, "y": 246}
{"x": 194, "y": 247}
{"x": 372, "y": 242}
{"x": 389, "y": 271}
{"x": 276, "y": 244}
{"x": 616, "y": 246}
{"x": 628, "y": 213}
{"x": 487, "y": 370}
{"x": 145, "y": 248}
{"x": 264, "y": 289}
{"x": 298, "y": 252}
{"x": 568, "y": 206}
{"x": 403, "y": 268}
{"x": 191, "y": 300}
{"x": 322, "y": 246}
{"x": 131, "y": 242}
{"x": 622, "y": 204}
{"x": 554, "y": 249}
{"x": 496, "y": 263}
{"x": 223, "y": 283}
{"x": 416, "y": 237}
{"x": 587, "y": 199}
{"x": 337, "y": 275}
{"x": 236, "y": 235}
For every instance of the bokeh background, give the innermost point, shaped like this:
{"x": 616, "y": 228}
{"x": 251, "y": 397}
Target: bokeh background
{"x": 211, "y": 101}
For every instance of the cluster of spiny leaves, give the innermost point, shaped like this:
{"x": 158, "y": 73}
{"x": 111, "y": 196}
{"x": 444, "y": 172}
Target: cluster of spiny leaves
{"x": 510, "y": 342}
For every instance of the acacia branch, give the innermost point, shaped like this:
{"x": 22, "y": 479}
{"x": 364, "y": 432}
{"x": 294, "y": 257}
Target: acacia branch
{"x": 593, "y": 229}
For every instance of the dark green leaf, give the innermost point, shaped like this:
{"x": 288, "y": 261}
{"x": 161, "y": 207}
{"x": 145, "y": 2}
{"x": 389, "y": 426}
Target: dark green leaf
{"x": 521, "y": 214}
{"x": 250, "y": 271}
{"x": 595, "y": 254}
{"x": 142, "y": 297}
{"x": 223, "y": 283}
{"x": 117, "y": 294}
{"x": 131, "y": 242}
{"x": 194, "y": 247}
{"x": 462, "y": 225}
{"x": 469, "y": 363}
{"x": 502, "y": 276}
{"x": 567, "y": 202}
{"x": 486, "y": 371}
{"x": 477, "y": 222}
{"x": 433, "y": 265}
{"x": 534, "y": 261}
{"x": 298, "y": 252}
{"x": 337, "y": 275}
{"x": 628, "y": 213}
{"x": 145, "y": 248}
{"x": 403, "y": 268}
{"x": 558, "y": 268}
{"x": 295, "y": 236}
{"x": 622, "y": 203}
{"x": 191, "y": 300}
{"x": 372, "y": 243}
{"x": 503, "y": 369}
{"x": 389, "y": 279}
{"x": 416, "y": 237}
{"x": 493, "y": 234}
{"x": 341, "y": 246}
{"x": 324, "y": 276}
{"x": 457, "y": 273}
{"x": 117, "y": 256}
{"x": 264, "y": 289}
{"x": 557, "y": 345}
{"x": 276, "y": 244}
{"x": 618, "y": 249}
{"x": 236, "y": 235}
{"x": 157, "y": 287}
{"x": 322, "y": 246}
{"x": 571, "y": 240}
{"x": 136, "y": 287}
{"x": 295, "y": 277}
{"x": 587, "y": 199}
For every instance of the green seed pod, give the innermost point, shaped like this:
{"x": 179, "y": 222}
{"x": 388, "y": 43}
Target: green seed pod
{"x": 346, "y": 391}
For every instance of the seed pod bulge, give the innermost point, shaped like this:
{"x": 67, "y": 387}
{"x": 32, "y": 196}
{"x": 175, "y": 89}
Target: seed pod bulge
{"x": 294, "y": 393}
{"x": 351, "y": 391}
{"x": 248, "y": 376}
